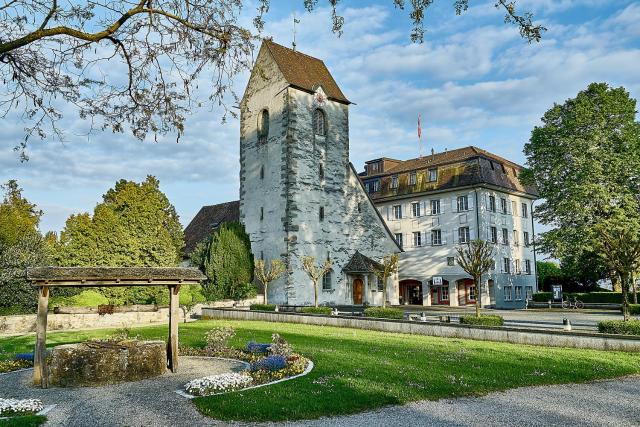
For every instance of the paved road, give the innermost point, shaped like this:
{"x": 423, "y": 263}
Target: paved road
{"x": 610, "y": 403}
{"x": 534, "y": 318}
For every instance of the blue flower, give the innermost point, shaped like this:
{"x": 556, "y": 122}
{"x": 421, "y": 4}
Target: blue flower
{"x": 270, "y": 363}
{"x": 258, "y": 348}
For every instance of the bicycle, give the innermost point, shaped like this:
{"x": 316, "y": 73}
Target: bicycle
{"x": 577, "y": 304}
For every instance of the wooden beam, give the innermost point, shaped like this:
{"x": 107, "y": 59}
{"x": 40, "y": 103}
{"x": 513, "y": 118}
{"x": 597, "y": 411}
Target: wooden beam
{"x": 174, "y": 320}
{"x": 40, "y": 371}
{"x": 116, "y": 283}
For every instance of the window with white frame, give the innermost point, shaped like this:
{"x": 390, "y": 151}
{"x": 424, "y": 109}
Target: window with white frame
{"x": 529, "y": 290}
{"x": 394, "y": 181}
{"x": 436, "y": 237}
{"x": 515, "y": 237}
{"x": 374, "y": 168}
{"x": 505, "y": 236}
{"x": 525, "y": 210}
{"x": 492, "y": 203}
{"x": 397, "y": 212}
{"x": 435, "y": 207}
{"x": 433, "y": 175}
{"x": 380, "y": 284}
{"x": 373, "y": 186}
{"x": 445, "y": 293}
{"x": 399, "y": 239}
{"x": 415, "y": 209}
{"x": 327, "y": 282}
{"x": 494, "y": 235}
{"x": 507, "y": 293}
{"x": 472, "y": 293}
{"x": 525, "y": 235}
{"x": 503, "y": 205}
{"x": 506, "y": 265}
{"x": 463, "y": 235}
{"x": 518, "y": 293}
{"x": 463, "y": 203}
{"x": 527, "y": 266}
{"x": 417, "y": 238}
{"x": 412, "y": 178}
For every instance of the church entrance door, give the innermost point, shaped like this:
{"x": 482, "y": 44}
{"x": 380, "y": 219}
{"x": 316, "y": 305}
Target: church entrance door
{"x": 357, "y": 291}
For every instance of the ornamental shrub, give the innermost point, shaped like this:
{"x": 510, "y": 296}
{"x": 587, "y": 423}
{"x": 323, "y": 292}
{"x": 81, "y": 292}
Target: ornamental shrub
{"x": 630, "y": 327}
{"x": 384, "y": 312}
{"x": 280, "y": 346}
{"x": 317, "y": 310}
{"x": 217, "y": 339}
{"x": 270, "y": 363}
{"x": 483, "y": 320}
{"x": 263, "y": 307}
{"x": 634, "y": 308}
{"x": 257, "y": 348}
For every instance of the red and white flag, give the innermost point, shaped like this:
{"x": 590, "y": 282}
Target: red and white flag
{"x": 419, "y": 127}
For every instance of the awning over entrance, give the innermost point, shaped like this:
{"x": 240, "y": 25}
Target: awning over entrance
{"x": 361, "y": 264}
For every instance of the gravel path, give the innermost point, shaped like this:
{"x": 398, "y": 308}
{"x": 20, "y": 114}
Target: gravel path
{"x": 151, "y": 402}
{"x": 154, "y": 403}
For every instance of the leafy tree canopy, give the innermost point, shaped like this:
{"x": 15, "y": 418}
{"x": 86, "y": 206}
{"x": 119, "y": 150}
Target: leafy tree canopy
{"x": 18, "y": 217}
{"x": 134, "y": 225}
{"x": 55, "y": 55}
{"x": 585, "y": 162}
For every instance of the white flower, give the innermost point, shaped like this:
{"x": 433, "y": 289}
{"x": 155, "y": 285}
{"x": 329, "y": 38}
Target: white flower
{"x": 218, "y": 384}
{"x": 19, "y": 406}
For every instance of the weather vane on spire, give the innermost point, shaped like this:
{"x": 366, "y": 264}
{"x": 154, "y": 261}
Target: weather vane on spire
{"x": 295, "y": 21}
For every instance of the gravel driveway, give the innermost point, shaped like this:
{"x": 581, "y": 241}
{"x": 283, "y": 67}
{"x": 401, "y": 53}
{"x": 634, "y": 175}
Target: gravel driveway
{"x": 154, "y": 403}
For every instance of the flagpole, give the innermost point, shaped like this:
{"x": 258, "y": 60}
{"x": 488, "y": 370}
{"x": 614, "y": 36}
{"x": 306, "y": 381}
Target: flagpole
{"x": 419, "y": 136}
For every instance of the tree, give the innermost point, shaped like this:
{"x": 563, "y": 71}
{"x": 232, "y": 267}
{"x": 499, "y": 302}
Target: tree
{"x": 266, "y": 276}
{"x": 55, "y": 55}
{"x": 584, "y": 161}
{"x": 315, "y": 272}
{"x": 18, "y": 217}
{"x": 226, "y": 259}
{"x": 618, "y": 243}
{"x": 135, "y": 225}
{"x": 476, "y": 259}
{"x": 389, "y": 267}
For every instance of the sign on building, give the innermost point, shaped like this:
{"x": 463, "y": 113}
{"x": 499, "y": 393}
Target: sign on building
{"x": 436, "y": 281}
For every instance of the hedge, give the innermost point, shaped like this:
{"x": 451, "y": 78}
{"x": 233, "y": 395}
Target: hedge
{"x": 588, "y": 297}
{"x": 484, "y": 320}
{"x": 316, "y": 310}
{"x": 630, "y": 327}
{"x": 263, "y": 307}
{"x": 384, "y": 312}
{"x": 634, "y": 308}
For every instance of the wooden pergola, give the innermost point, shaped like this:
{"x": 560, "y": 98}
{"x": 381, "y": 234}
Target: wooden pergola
{"x": 48, "y": 277}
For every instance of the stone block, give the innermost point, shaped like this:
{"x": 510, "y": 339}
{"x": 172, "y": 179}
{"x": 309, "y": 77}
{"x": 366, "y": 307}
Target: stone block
{"x": 99, "y": 363}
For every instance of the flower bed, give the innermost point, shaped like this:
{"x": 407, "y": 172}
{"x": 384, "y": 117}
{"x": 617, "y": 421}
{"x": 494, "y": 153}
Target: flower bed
{"x": 14, "y": 407}
{"x": 218, "y": 384}
{"x": 14, "y": 365}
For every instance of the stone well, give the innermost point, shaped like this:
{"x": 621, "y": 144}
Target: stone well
{"x": 97, "y": 363}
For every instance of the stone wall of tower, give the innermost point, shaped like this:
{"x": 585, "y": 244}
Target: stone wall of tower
{"x": 264, "y": 190}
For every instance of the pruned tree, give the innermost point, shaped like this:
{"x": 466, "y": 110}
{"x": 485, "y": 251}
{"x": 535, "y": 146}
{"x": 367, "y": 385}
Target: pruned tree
{"x": 315, "y": 272}
{"x": 139, "y": 64}
{"x": 476, "y": 259}
{"x": 389, "y": 266}
{"x": 267, "y": 275}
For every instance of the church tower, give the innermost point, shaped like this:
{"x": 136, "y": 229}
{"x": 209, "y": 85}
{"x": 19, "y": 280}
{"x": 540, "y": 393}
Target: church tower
{"x": 299, "y": 194}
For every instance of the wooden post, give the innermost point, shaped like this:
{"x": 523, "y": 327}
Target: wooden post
{"x": 40, "y": 372}
{"x": 174, "y": 320}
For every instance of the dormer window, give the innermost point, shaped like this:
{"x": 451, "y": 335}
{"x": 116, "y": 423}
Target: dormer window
{"x": 319, "y": 127}
{"x": 394, "y": 181}
{"x": 433, "y": 175}
{"x": 263, "y": 126}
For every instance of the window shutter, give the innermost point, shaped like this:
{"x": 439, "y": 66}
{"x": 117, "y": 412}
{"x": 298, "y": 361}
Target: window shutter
{"x": 472, "y": 233}
{"x": 485, "y": 203}
{"x": 487, "y": 232}
{"x": 388, "y": 213}
{"x": 454, "y": 236}
{"x": 509, "y": 206}
{"x": 454, "y": 204}
{"x": 443, "y": 235}
{"x": 407, "y": 210}
{"x": 424, "y": 209}
{"x": 471, "y": 199}
{"x": 442, "y": 205}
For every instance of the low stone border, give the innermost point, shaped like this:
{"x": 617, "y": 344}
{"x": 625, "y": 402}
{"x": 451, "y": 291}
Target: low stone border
{"x": 510, "y": 334}
{"x": 17, "y": 370}
{"x": 308, "y": 369}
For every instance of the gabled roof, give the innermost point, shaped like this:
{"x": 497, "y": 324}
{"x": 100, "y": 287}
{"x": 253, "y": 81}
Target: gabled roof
{"x": 361, "y": 264}
{"x": 207, "y": 220}
{"x": 304, "y": 72}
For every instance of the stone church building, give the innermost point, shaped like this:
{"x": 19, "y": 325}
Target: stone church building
{"x": 299, "y": 194}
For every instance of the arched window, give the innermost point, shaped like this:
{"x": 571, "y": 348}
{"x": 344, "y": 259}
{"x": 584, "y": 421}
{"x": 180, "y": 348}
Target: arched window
{"x": 319, "y": 125}
{"x": 263, "y": 126}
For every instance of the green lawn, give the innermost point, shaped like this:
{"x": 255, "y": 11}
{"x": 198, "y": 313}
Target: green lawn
{"x": 26, "y": 421}
{"x": 358, "y": 370}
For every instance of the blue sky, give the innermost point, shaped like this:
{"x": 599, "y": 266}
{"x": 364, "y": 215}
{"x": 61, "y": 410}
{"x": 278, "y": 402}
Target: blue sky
{"x": 474, "y": 80}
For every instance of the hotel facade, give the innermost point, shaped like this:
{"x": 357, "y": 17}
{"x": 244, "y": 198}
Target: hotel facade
{"x": 436, "y": 203}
